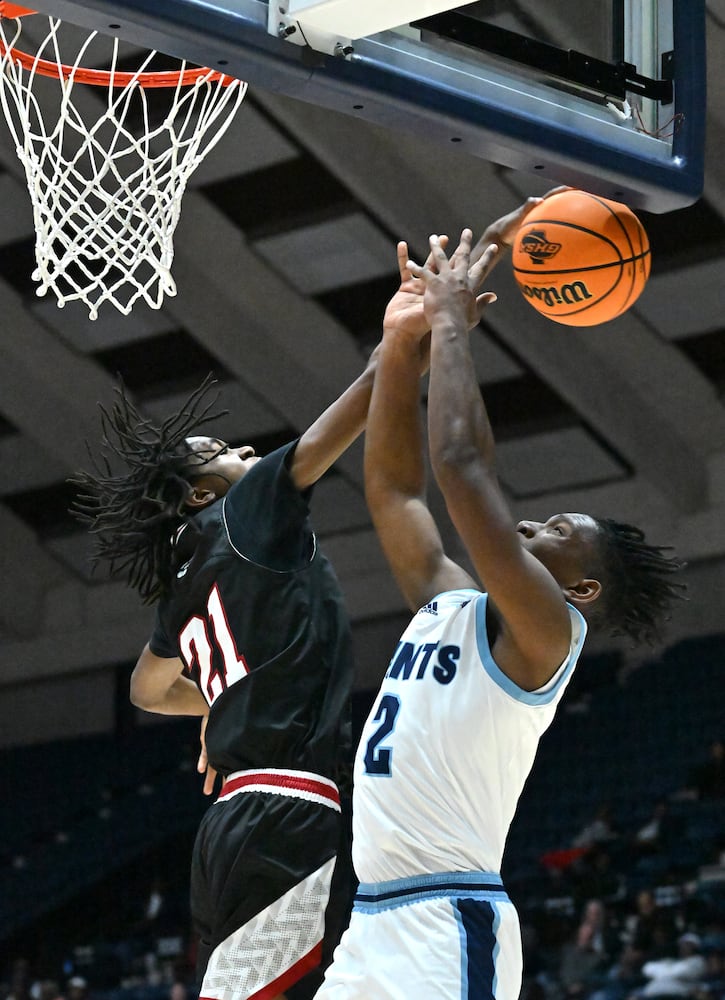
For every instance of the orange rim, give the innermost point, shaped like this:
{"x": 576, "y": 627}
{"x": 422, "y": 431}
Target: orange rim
{"x": 14, "y": 10}
{"x": 102, "y": 77}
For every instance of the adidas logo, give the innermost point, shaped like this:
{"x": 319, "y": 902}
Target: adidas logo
{"x": 429, "y": 609}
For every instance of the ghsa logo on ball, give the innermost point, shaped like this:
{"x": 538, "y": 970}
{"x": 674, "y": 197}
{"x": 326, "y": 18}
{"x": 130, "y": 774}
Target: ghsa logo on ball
{"x": 536, "y": 245}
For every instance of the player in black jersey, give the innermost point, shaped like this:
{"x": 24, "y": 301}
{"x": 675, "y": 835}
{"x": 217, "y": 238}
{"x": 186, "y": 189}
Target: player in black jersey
{"x": 252, "y": 635}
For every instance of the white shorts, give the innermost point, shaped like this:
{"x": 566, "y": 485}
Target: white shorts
{"x": 450, "y": 936}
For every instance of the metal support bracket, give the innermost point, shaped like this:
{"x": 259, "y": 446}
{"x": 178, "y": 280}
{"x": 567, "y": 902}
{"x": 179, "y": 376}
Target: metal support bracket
{"x": 610, "y": 79}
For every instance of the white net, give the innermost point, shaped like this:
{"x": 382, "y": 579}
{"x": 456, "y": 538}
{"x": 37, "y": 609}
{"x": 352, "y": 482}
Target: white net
{"x": 107, "y": 170}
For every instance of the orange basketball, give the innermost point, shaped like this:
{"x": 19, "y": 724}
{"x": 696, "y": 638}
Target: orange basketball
{"x": 580, "y": 259}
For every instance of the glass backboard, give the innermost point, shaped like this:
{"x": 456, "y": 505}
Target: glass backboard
{"x": 608, "y": 95}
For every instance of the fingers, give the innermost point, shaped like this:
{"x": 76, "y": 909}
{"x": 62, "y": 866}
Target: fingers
{"x": 403, "y": 261}
{"x": 485, "y": 299}
{"x": 465, "y": 241}
{"x": 557, "y": 190}
{"x": 480, "y": 270}
{"x": 459, "y": 258}
{"x": 434, "y": 260}
{"x": 438, "y": 255}
{"x": 430, "y": 260}
{"x": 209, "y": 781}
{"x": 438, "y": 262}
{"x": 202, "y": 764}
{"x": 417, "y": 270}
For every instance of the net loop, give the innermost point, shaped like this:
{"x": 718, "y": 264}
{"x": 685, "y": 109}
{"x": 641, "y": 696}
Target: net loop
{"x": 106, "y": 176}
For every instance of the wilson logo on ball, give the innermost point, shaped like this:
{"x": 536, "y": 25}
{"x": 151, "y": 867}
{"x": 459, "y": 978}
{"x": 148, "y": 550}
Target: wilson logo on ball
{"x": 536, "y": 245}
{"x": 576, "y": 291}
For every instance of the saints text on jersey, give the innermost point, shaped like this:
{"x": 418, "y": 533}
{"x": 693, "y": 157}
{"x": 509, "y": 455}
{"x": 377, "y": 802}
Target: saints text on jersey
{"x": 415, "y": 661}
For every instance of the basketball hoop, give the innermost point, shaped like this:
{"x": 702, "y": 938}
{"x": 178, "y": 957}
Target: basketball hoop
{"x": 105, "y": 179}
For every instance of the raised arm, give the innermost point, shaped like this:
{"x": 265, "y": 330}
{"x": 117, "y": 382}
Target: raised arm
{"x": 503, "y": 231}
{"x": 344, "y": 420}
{"x": 394, "y": 466}
{"x": 334, "y": 430}
{"x": 533, "y": 628}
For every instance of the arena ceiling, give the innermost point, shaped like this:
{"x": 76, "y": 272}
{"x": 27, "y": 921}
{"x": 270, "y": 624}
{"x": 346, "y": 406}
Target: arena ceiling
{"x": 285, "y": 258}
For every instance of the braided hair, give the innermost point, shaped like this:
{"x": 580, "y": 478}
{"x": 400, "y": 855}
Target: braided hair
{"x": 637, "y": 592}
{"x": 135, "y": 515}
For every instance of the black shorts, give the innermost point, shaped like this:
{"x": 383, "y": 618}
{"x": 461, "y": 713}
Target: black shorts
{"x": 262, "y": 871}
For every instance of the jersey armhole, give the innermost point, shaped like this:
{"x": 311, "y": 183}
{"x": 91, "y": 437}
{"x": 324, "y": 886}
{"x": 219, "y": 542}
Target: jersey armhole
{"x": 550, "y": 691}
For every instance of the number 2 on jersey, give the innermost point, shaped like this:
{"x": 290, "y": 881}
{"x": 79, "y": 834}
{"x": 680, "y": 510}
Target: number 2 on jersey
{"x": 378, "y": 758}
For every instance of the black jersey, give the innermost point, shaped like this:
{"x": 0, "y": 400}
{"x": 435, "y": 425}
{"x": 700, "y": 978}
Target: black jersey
{"x": 257, "y": 616}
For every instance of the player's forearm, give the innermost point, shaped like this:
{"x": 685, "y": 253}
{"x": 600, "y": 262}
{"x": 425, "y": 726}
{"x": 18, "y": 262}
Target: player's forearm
{"x": 182, "y": 698}
{"x": 458, "y": 425}
{"x": 334, "y": 430}
{"x": 503, "y": 231}
{"x": 394, "y": 465}
{"x": 490, "y": 235}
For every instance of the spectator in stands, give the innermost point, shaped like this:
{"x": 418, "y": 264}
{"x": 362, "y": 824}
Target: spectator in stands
{"x": 585, "y": 958}
{"x": 679, "y": 976}
{"x": 656, "y": 833}
{"x": 596, "y": 876}
{"x": 77, "y": 988}
{"x": 580, "y": 860}
{"x": 604, "y": 936}
{"x": 649, "y": 934}
{"x": 599, "y": 830}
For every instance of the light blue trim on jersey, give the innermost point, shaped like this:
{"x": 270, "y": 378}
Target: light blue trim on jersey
{"x": 541, "y": 697}
{"x": 467, "y": 592}
{"x": 443, "y": 885}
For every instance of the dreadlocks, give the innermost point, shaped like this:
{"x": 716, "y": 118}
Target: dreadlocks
{"x": 637, "y": 593}
{"x": 134, "y": 516}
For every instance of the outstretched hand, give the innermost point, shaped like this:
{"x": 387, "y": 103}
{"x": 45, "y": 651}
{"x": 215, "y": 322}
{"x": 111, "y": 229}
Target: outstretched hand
{"x": 503, "y": 231}
{"x": 404, "y": 312}
{"x": 452, "y": 286}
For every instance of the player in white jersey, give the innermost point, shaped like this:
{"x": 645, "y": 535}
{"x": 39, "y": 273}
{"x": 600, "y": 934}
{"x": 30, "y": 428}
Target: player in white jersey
{"x": 455, "y": 740}
{"x": 477, "y": 675}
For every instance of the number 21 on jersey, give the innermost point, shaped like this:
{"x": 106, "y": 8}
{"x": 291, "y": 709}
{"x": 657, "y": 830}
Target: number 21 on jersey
{"x": 197, "y": 649}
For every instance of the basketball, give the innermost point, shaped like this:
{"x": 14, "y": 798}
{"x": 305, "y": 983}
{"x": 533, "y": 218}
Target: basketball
{"x": 581, "y": 260}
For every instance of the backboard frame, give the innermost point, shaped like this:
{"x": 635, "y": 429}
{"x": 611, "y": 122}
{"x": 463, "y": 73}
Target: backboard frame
{"x": 393, "y": 80}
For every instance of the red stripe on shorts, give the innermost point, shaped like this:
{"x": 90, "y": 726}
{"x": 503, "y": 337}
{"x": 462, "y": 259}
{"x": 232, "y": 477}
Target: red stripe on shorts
{"x": 279, "y": 783}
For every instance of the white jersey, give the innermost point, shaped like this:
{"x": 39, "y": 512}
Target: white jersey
{"x": 447, "y": 747}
